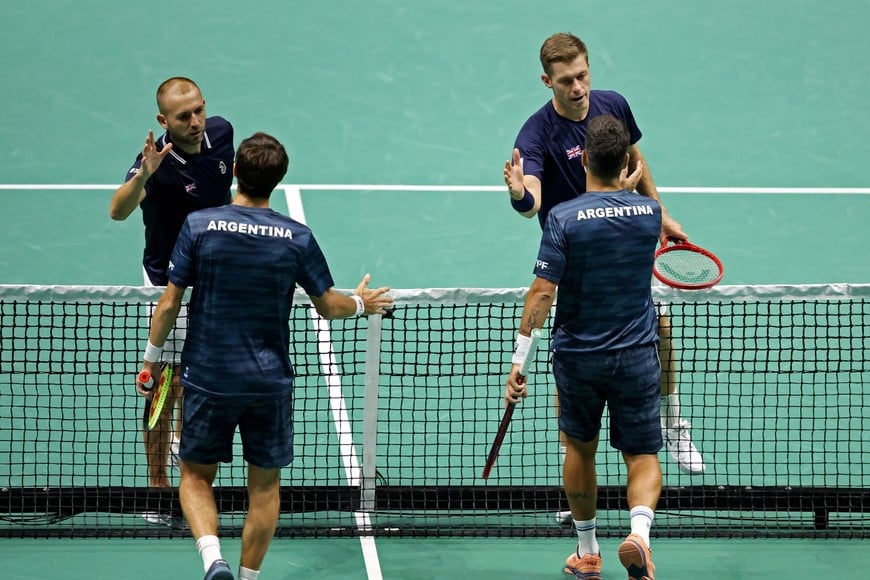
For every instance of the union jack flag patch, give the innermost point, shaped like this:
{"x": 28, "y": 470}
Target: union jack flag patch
{"x": 192, "y": 186}
{"x": 574, "y": 152}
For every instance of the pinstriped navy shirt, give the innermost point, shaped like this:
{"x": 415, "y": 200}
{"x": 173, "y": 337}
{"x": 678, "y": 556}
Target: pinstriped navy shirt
{"x": 599, "y": 249}
{"x": 243, "y": 264}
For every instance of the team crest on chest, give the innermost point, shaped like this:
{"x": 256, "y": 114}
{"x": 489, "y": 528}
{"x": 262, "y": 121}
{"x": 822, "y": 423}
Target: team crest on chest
{"x": 223, "y": 167}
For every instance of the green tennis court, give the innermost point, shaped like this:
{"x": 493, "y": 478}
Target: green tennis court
{"x": 752, "y": 116}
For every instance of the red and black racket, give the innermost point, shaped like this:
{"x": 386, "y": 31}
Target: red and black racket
{"x": 687, "y": 266}
{"x": 509, "y": 410}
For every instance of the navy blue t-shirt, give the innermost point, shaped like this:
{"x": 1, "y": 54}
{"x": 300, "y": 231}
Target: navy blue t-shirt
{"x": 599, "y": 248}
{"x": 243, "y": 264}
{"x": 183, "y": 183}
{"x": 550, "y": 147}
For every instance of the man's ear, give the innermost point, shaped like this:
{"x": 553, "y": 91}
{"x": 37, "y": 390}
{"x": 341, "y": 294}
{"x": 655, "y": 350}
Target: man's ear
{"x": 546, "y": 80}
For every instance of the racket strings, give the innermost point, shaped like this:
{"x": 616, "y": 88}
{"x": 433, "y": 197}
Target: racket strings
{"x": 687, "y": 267}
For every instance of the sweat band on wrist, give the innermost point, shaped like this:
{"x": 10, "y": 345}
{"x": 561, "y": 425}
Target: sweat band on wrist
{"x": 152, "y": 353}
{"x": 521, "y": 350}
{"x": 525, "y": 203}
{"x": 360, "y": 305}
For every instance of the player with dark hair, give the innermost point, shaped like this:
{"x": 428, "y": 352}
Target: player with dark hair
{"x": 545, "y": 170}
{"x": 598, "y": 248}
{"x": 244, "y": 261}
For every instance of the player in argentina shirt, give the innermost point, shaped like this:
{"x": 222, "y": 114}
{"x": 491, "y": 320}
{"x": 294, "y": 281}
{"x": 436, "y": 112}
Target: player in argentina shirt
{"x": 239, "y": 347}
{"x": 598, "y": 248}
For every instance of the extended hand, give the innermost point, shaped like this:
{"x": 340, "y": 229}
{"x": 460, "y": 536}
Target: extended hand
{"x": 151, "y": 158}
{"x": 513, "y": 176}
{"x": 376, "y": 301}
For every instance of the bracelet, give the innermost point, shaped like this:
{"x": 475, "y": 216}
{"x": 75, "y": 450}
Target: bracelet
{"x": 521, "y": 350}
{"x": 525, "y": 203}
{"x": 360, "y": 305}
{"x": 152, "y": 353}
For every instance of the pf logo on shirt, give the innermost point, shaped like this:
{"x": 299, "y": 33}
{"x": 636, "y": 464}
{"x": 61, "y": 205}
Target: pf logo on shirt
{"x": 542, "y": 264}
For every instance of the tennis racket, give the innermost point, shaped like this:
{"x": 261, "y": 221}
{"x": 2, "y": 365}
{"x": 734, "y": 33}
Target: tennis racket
{"x": 509, "y": 410}
{"x": 687, "y": 267}
{"x": 154, "y": 405}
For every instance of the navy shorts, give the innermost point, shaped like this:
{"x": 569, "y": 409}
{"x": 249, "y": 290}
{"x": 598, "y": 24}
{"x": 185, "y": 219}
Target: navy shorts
{"x": 627, "y": 380}
{"x": 209, "y": 426}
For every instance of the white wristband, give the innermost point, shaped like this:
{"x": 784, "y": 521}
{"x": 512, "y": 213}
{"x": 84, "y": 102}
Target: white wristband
{"x": 360, "y": 305}
{"x": 152, "y": 353}
{"x": 521, "y": 350}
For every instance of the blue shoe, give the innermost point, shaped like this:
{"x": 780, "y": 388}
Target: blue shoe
{"x": 219, "y": 570}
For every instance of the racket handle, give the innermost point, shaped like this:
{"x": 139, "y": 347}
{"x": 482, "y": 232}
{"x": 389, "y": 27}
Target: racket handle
{"x": 146, "y": 379}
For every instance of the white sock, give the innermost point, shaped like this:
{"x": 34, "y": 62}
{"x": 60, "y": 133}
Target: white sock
{"x": 641, "y": 522}
{"x": 586, "y": 536}
{"x": 210, "y": 549}
{"x": 671, "y": 410}
{"x": 247, "y": 573}
{"x": 563, "y": 451}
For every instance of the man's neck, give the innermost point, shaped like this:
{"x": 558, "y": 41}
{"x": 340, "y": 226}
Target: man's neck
{"x": 596, "y": 184}
{"x": 245, "y": 201}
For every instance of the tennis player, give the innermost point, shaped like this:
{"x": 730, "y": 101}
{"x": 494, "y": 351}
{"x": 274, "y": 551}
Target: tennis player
{"x": 545, "y": 170}
{"x": 598, "y": 248}
{"x": 243, "y": 261}
{"x": 187, "y": 168}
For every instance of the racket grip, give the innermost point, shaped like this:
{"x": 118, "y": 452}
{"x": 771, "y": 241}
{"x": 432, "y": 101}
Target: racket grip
{"x": 146, "y": 379}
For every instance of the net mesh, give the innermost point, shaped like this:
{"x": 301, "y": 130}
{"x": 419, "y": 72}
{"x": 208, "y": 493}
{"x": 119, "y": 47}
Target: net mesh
{"x": 394, "y": 418}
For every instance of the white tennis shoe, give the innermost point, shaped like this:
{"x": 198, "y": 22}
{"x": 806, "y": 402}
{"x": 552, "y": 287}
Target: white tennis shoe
{"x": 678, "y": 442}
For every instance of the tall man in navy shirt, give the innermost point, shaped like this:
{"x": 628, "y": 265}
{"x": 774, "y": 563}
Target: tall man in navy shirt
{"x": 244, "y": 261}
{"x": 546, "y": 170}
{"x": 598, "y": 248}
{"x": 187, "y": 168}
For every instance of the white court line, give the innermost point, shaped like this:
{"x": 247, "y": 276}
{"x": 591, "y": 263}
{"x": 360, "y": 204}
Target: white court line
{"x": 465, "y": 188}
{"x": 349, "y": 457}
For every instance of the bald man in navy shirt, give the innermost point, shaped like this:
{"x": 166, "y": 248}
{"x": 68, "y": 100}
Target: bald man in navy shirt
{"x": 188, "y": 167}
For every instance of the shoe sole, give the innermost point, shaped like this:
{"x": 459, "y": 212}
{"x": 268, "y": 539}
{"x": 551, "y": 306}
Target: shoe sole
{"x": 584, "y": 575}
{"x": 632, "y": 556}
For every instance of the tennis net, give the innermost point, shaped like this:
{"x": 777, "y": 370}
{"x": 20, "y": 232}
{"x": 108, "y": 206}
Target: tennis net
{"x": 394, "y": 419}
